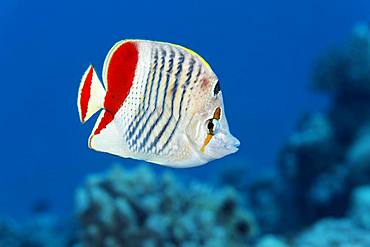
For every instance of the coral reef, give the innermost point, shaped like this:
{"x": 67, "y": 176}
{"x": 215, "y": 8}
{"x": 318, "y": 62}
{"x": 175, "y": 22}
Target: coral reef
{"x": 360, "y": 209}
{"x": 270, "y": 241}
{"x": 346, "y": 71}
{"x": 138, "y": 208}
{"x": 328, "y": 155}
{"x": 334, "y": 233}
{"x": 265, "y": 200}
{"x": 352, "y": 230}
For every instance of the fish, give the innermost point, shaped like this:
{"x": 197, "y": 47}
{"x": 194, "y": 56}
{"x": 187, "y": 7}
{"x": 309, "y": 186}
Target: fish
{"x": 159, "y": 102}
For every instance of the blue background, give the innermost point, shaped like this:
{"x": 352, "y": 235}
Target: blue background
{"x": 262, "y": 51}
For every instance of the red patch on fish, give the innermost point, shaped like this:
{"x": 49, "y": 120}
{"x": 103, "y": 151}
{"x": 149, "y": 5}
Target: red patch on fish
{"x": 85, "y": 93}
{"x": 120, "y": 75}
{"x": 204, "y": 83}
{"x": 106, "y": 119}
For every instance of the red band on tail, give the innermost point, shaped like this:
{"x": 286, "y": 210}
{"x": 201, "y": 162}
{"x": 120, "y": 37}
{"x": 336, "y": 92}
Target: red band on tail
{"x": 120, "y": 75}
{"x": 85, "y": 93}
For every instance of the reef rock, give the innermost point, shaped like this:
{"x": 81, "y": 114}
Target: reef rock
{"x": 346, "y": 70}
{"x": 358, "y": 158}
{"x": 271, "y": 241}
{"x": 265, "y": 199}
{"x": 328, "y": 155}
{"x": 334, "y": 233}
{"x": 141, "y": 208}
{"x": 311, "y": 176}
{"x": 360, "y": 211}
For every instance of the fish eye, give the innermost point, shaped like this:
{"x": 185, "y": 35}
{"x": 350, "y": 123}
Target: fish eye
{"x": 212, "y": 126}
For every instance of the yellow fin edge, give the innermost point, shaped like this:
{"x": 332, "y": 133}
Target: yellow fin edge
{"x": 176, "y": 45}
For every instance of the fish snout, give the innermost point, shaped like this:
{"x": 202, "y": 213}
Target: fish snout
{"x": 232, "y": 144}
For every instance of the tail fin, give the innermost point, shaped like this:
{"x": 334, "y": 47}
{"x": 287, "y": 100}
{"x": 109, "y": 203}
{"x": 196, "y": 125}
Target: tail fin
{"x": 90, "y": 95}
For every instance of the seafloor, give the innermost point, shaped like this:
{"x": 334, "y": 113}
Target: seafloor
{"x": 318, "y": 196}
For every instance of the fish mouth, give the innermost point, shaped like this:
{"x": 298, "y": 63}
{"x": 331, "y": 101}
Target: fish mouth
{"x": 232, "y": 145}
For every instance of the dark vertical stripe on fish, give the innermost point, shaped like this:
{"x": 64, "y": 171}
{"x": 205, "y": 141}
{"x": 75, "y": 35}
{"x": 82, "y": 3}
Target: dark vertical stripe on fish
{"x": 163, "y": 56}
{"x": 174, "y": 90}
{"x": 168, "y": 78}
{"x": 186, "y": 84}
{"x": 144, "y": 107}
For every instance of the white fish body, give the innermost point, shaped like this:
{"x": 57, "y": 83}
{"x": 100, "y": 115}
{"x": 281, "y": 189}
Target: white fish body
{"x": 160, "y": 103}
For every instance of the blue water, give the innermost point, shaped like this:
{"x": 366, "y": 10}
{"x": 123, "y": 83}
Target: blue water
{"x": 262, "y": 51}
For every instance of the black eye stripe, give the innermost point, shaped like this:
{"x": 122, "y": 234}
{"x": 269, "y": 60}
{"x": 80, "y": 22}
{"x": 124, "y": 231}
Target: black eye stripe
{"x": 210, "y": 125}
{"x": 217, "y": 88}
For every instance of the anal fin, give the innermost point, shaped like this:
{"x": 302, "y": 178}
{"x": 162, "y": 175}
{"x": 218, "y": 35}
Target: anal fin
{"x": 106, "y": 137}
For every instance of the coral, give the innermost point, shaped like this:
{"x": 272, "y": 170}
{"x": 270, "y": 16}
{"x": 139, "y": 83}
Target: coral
{"x": 311, "y": 178}
{"x": 346, "y": 71}
{"x": 311, "y": 149}
{"x": 351, "y": 231}
{"x": 334, "y": 233}
{"x": 271, "y": 241}
{"x": 360, "y": 211}
{"x": 358, "y": 158}
{"x": 328, "y": 155}
{"x": 264, "y": 198}
{"x": 345, "y": 74}
{"x": 141, "y": 208}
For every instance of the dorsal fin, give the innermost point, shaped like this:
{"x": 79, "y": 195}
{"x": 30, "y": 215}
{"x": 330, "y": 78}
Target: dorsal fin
{"x": 118, "y": 74}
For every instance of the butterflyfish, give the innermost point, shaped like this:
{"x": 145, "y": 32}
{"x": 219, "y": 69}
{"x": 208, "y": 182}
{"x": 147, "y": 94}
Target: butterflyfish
{"x": 159, "y": 102}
